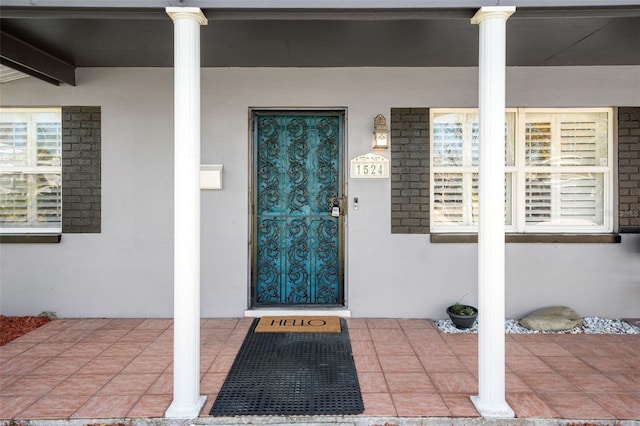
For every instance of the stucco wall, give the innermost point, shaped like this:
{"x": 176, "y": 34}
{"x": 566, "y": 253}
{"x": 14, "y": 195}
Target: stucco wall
{"x": 127, "y": 269}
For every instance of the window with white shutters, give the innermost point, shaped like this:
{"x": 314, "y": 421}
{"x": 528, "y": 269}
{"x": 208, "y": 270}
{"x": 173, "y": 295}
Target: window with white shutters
{"x": 558, "y": 170}
{"x": 566, "y": 170}
{"x": 30, "y": 170}
{"x": 455, "y": 151}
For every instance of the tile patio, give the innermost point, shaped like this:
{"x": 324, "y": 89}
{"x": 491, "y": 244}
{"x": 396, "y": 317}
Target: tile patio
{"x": 122, "y": 368}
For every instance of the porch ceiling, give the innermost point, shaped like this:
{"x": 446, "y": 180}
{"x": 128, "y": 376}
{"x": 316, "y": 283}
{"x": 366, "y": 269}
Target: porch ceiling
{"x": 117, "y": 37}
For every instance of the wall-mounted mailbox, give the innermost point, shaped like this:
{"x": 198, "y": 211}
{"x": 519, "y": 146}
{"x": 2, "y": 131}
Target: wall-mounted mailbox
{"x": 210, "y": 176}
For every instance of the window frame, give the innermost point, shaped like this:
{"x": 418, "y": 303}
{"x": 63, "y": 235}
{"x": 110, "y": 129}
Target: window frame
{"x": 518, "y": 172}
{"x": 31, "y": 168}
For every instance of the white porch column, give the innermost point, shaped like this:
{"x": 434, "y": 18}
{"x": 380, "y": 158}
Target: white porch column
{"x": 187, "y": 401}
{"x": 490, "y": 401}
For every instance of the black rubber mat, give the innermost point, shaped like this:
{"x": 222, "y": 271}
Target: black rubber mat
{"x": 291, "y": 374}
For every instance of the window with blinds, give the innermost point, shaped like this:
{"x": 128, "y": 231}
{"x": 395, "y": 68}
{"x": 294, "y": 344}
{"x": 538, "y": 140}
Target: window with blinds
{"x": 566, "y": 169}
{"x": 455, "y": 151}
{"x": 558, "y": 170}
{"x": 30, "y": 170}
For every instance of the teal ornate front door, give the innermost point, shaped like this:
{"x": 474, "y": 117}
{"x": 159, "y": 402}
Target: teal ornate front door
{"x": 297, "y": 209}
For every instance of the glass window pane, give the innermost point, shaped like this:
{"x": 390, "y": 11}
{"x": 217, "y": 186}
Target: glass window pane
{"x": 13, "y": 143}
{"x": 14, "y": 199}
{"x": 49, "y": 198}
{"x": 567, "y": 139}
{"x": 448, "y": 199}
{"x": 510, "y": 138}
{"x": 581, "y": 198}
{"x": 583, "y": 139}
{"x": 448, "y": 139}
{"x": 565, "y": 199}
{"x": 508, "y": 204}
{"x": 455, "y": 198}
{"x": 49, "y": 135}
{"x": 456, "y": 139}
{"x": 475, "y": 140}
{"x": 537, "y": 135}
{"x": 538, "y": 198}
{"x": 30, "y": 200}
{"x": 475, "y": 200}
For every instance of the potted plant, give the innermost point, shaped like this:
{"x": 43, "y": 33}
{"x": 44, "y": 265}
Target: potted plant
{"x": 462, "y": 316}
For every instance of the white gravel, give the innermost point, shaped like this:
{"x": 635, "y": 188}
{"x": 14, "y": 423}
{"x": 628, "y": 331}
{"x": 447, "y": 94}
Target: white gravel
{"x": 591, "y": 325}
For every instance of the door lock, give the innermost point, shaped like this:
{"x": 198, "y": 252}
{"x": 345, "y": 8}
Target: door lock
{"x": 335, "y": 206}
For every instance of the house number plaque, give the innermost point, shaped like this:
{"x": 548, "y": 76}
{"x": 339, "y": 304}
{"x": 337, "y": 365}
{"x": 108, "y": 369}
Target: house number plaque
{"x": 369, "y": 166}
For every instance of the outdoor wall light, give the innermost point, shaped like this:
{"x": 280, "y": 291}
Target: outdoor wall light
{"x": 380, "y": 133}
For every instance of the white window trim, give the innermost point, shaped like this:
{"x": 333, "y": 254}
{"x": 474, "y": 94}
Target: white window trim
{"x": 519, "y": 171}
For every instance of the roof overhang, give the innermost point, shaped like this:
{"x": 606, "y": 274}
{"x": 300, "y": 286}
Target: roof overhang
{"x": 51, "y": 39}
{"x": 315, "y": 4}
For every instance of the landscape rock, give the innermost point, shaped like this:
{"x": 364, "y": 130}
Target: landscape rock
{"x": 553, "y": 318}
{"x": 590, "y": 325}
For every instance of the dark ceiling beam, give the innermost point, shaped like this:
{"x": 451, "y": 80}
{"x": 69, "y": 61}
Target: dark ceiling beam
{"x": 18, "y": 67}
{"x": 26, "y": 58}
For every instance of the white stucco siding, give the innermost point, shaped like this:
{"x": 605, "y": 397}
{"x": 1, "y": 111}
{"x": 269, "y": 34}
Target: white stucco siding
{"x": 127, "y": 270}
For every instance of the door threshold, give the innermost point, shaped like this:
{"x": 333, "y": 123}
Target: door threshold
{"x": 275, "y": 312}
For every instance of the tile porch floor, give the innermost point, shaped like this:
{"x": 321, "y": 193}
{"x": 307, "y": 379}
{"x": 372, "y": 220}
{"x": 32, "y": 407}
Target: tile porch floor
{"x": 122, "y": 368}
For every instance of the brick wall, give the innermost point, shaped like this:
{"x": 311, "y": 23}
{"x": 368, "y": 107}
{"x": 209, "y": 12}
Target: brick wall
{"x": 81, "y": 169}
{"x": 629, "y": 169}
{"x": 410, "y": 170}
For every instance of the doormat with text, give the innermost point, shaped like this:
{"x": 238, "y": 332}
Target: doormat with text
{"x": 291, "y": 374}
{"x": 299, "y": 324}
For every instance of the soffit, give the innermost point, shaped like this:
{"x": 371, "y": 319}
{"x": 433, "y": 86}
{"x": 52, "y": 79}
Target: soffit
{"x": 101, "y": 37}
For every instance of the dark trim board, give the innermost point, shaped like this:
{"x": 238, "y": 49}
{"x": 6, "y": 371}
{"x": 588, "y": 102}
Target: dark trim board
{"x": 531, "y": 238}
{"x": 31, "y": 239}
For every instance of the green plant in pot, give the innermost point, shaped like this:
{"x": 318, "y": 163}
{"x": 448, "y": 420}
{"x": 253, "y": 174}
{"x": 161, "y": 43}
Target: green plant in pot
{"x": 462, "y": 316}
